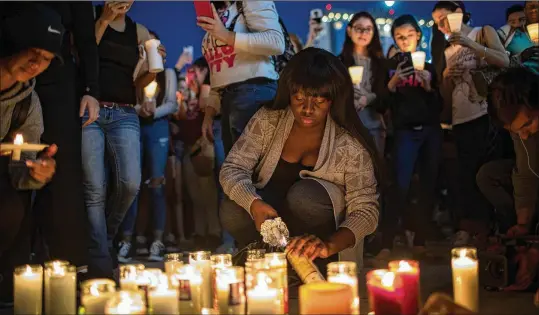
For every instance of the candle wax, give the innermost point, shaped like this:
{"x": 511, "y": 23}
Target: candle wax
{"x": 27, "y": 293}
{"x": 383, "y": 301}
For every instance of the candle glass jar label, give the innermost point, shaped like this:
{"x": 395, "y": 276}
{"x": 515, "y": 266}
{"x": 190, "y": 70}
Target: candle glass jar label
{"x": 184, "y": 290}
{"x": 235, "y": 295}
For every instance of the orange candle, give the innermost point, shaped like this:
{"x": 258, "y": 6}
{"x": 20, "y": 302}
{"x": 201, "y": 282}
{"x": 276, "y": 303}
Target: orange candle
{"x": 325, "y": 298}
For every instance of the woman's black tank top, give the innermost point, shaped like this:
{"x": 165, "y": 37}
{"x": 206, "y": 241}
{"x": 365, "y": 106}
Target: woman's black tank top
{"x": 118, "y": 57}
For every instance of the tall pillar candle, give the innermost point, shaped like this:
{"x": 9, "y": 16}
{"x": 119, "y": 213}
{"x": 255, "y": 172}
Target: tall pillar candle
{"x": 345, "y": 272}
{"x": 278, "y": 264}
{"x": 408, "y": 271}
{"x": 28, "y": 290}
{"x": 385, "y": 292}
{"x": 172, "y": 262}
{"x": 230, "y": 290}
{"x": 95, "y": 294}
{"x": 325, "y": 298}
{"x": 261, "y": 298}
{"x": 201, "y": 261}
{"x": 189, "y": 282}
{"x": 218, "y": 262}
{"x": 60, "y": 281}
{"x": 465, "y": 277}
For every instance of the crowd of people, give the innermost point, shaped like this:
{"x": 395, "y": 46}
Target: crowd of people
{"x": 261, "y": 126}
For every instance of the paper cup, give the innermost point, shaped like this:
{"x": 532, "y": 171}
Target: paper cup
{"x": 155, "y": 61}
{"x": 418, "y": 59}
{"x": 189, "y": 50}
{"x": 356, "y": 72}
{"x": 533, "y": 32}
{"x": 455, "y": 21}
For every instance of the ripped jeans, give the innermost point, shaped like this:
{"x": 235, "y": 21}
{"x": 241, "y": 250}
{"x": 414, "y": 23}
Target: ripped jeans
{"x": 154, "y": 140}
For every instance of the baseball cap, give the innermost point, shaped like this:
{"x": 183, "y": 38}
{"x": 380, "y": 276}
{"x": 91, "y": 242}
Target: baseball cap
{"x": 33, "y": 26}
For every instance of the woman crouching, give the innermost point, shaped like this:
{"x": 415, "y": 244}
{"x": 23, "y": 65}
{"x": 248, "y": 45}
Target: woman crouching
{"x": 304, "y": 157}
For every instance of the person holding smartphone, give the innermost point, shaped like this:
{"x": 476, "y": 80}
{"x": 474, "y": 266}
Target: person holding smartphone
{"x": 238, "y": 46}
{"x": 415, "y": 104}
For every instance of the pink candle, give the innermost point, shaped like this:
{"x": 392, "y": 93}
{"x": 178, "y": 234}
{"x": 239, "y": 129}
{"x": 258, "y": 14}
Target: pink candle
{"x": 385, "y": 292}
{"x": 408, "y": 272}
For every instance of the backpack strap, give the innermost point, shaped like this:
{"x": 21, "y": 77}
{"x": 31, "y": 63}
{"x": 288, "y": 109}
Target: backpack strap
{"x": 18, "y": 117}
{"x": 239, "y": 7}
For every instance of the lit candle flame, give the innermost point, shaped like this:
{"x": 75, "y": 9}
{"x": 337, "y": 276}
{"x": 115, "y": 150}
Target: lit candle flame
{"x": 124, "y": 307}
{"x": 28, "y": 271}
{"x": 19, "y": 140}
{"x": 94, "y": 291}
{"x": 388, "y": 279}
{"x": 58, "y": 269}
{"x": 150, "y": 89}
{"x": 405, "y": 266}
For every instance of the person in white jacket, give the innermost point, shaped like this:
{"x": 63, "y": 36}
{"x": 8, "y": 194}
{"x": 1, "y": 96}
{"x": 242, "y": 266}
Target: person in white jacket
{"x": 239, "y": 44}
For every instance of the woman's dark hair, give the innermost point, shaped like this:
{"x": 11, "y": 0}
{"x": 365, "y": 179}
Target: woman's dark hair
{"x": 317, "y": 72}
{"x": 406, "y": 19}
{"x": 453, "y": 6}
{"x": 510, "y": 92}
{"x": 374, "y": 49}
{"x": 201, "y": 63}
{"x": 513, "y": 9}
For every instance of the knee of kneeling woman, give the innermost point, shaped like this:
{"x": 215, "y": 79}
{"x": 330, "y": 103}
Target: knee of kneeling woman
{"x": 308, "y": 196}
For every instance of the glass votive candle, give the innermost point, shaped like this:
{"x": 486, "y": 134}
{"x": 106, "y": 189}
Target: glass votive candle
{"x": 325, "y": 298}
{"x": 60, "y": 280}
{"x": 202, "y": 261}
{"x": 345, "y": 272}
{"x": 128, "y": 276}
{"x": 262, "y": 295}
{"x": 163, "y": 300}
{"x": 126, "y": 302}
{"x": 278, "y": 263}
{"x": 408, "y": 272}
{"x": 28, "y": 290}
{"x": 95, "y": 294}
{"x": 189, "y": 282}
{"x": 533, "y": 32}
{"x": 230, "y": 290}
{"x": 172, "y": 262}
{"x": 464, "y": 266}
{"x": 253, "y": 254}
{"x": 221, "y": 261}
{"x": 385, "y": 292}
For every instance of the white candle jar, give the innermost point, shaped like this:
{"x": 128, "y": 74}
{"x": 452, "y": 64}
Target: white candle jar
{"x": 230, "y": 291}
{"x": 345, "y": 272}
{"x": 128, "y": 276}
{"x": 254, "y": 254}
{"x": 202, "y": 261}
{"x": 126, "y": 302}
{"x": 60, "y": 280}
{"x": 464, "y": 268}
{"x": 189, "y": 281}
{"x": 28, "y": 290}
{"x": 262, "y": 292}
{"x": 278, "y": 264}
{"x": 95, "y": 295}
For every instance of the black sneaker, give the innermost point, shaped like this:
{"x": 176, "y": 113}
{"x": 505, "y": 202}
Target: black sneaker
{"x": 125, "y": 252}
{"x": 157, "y": 251}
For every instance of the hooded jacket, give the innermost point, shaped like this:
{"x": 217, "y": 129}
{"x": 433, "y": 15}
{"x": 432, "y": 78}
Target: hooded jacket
{"x": 31, "y": 129}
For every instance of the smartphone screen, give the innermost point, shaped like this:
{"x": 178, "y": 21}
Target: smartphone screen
{"x": 203, "y": 8}
{"x": 407, "y": 58}
{"x": 316, "y": 15}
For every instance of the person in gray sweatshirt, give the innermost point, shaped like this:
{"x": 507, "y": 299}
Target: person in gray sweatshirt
{"x": 29, "y": 40}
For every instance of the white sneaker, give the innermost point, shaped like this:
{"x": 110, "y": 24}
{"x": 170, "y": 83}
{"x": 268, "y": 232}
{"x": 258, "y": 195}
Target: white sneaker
{"x": 124, "y": 252}
{"x": 157, "y": 251}
{"x": 461, "y": 238}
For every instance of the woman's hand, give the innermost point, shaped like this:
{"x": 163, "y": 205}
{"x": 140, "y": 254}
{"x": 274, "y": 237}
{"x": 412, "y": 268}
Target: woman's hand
{"x": 112, "y": 9}
{"x": 310, "y": 246}
{"x": 207, "y": 124}
{"x": 214, "y": 26}
{"x": 184, "y": 59}
{"x": 261, "y": 212}
{"x": 401, "y": 74}
{"x": 44, "y": 167}
{"x": 163, "y": 52}
{"x": 90, "y": 104}
{"x": 462, "y": 40}
{"x": 425, "y": 77}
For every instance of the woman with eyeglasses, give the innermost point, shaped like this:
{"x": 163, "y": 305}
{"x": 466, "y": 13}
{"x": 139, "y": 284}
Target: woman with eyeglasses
{"x": 476, "y": 139}
{"x": 362, "y": 47}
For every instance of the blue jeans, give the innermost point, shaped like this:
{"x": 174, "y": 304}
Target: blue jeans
{"x": 111, "y": 142}
{"x": 415, "y": 150}
{"x": 154, "y": 140}
{"x": 239, "y": 103}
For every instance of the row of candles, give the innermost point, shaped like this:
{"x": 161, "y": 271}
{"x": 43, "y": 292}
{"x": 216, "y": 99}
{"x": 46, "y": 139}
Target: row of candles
{"x": 209, "y": 284}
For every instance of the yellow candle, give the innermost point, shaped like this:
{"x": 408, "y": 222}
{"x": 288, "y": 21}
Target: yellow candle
{"x": 356, "y": 72}
{"x": 150, "y": 90}
{"x": 125, "y": 303}
{"x": 345, "y": 272}
{"x": 60, "y": 280}
{"x": 201, "y": 261}
{"x": 465, "y": 278}
{"x": 262, "y": 299}
{"x": 325, "y": 298}
{"x": 95, "y": 294}
{"x": 230, "y": 290}
{"x": 28, "y": 289}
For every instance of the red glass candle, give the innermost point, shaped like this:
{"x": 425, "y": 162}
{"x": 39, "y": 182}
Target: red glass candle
{"x": 408, "y": 272}
{"x": 385, "y": 292}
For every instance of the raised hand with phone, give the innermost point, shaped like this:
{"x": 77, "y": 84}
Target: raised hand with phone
{"x": 212, "y": 23}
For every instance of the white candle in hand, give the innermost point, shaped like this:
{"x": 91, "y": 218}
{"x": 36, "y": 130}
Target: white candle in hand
{"x": 150, "y": 89}
{"x": 28, "y": 289}
{"x": 465, "y": 278}
{"x": 19, "y": 141}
